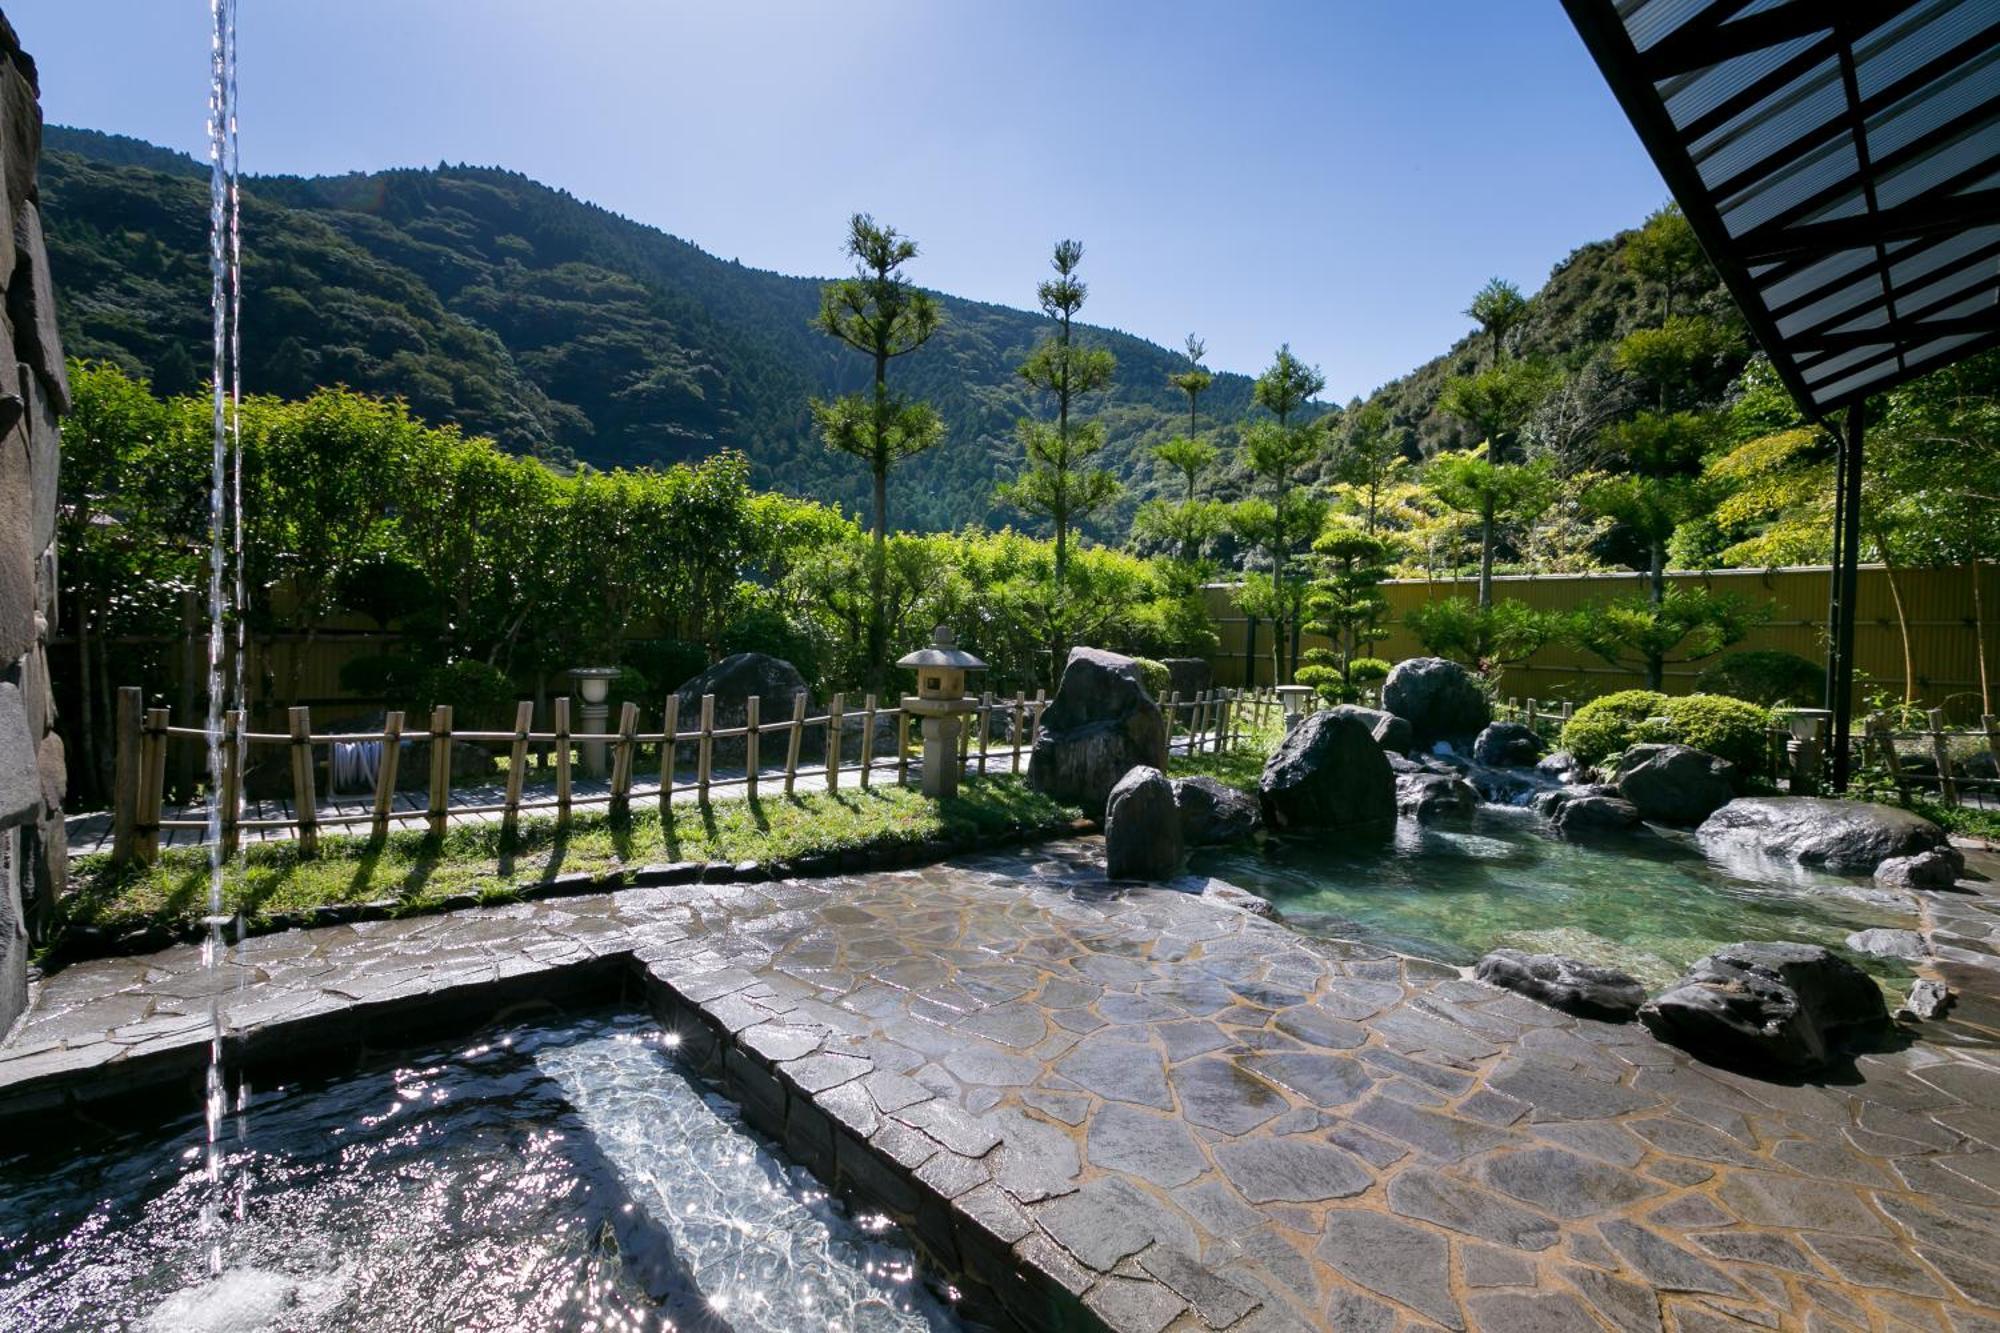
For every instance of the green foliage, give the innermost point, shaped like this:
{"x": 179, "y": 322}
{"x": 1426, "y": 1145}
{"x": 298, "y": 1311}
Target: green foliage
{"x": 1686, "y": 360}
{"x": 1665, "y": 251}
{"x": 1345, "y": 603}
{"x": 1604, "y": 726}
{"x": 1485, "y": 638}
{"x": 1157, "y": 679}
{"x": 1498, "y": 307}
{"x": 1686, "y": 625}
{"x": 481, "y": 696}
{"x": 1497, "y": 402}
{"x": 1731, "y": 729}
{"x": 1286, "y": 386}
{"x": 1764, "y": 676}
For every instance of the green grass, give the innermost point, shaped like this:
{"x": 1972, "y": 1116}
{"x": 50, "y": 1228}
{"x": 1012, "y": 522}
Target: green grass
{"x": 417, "y": 872}
{"x": 1963, "y": 820}
{"x": 1240, "y": 767}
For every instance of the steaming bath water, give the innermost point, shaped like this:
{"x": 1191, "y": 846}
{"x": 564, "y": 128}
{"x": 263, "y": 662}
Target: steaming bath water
{"x": 558, "y": 1178}
{"x": 1650, "y": 905}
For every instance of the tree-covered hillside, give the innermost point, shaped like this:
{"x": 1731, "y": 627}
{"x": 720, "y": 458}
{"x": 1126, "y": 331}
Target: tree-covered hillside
{"x": 557, "y": 327}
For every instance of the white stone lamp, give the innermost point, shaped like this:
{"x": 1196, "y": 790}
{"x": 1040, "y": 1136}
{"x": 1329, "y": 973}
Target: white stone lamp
{"x": 939, "y": 700}
{"x": 594, "y": 684}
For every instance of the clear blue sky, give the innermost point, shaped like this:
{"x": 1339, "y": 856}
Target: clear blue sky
{"x": 1339, "y": 174}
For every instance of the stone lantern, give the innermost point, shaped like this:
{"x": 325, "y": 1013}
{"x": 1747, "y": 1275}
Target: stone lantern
{"x": 1803, "y": 750}
{"x": 939, "y": 699}
{"x": 594, "y": 684}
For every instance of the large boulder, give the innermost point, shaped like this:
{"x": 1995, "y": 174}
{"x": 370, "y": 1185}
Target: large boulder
{"x": 1100, "y": 725}
{"x": 1214, "y": 812}
{"x": 1582, "y": 811}
{"x": 1675, "y": 784}
{"x": 1440, "y": 699}
{"x": 1938, "y": 868}
{"x": 1188, "y": 676}
{"x": 1142, "y": 827}
{"x": 1508, "y": 745}
{"x": 1431, "y": 797}
{"x": 1568, "y": 984}
{"x": 1841, "y": 837}
{"x": 1329, "y": 774}
{"x": 1392, "y": 733}
{"x": 1755, "y": 1006}
{"x": 733, "y": 681}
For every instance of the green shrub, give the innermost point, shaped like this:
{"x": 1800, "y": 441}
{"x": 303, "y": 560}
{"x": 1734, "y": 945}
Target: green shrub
{"x": 1603, "y": 727}
{"x": 1367, "y": 670}
{"x": 480, "y": 695}
{"x": 1727, "y": 728}
{"x": 1764, "y": 676}
{"x": 1155, "y": 676}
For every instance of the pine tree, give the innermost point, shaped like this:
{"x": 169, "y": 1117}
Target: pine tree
{"x": 880, "y": 313}
{"x": 1498, "y": 307}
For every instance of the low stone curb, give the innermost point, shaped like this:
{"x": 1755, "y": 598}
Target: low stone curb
{"x": 80, "y": 944}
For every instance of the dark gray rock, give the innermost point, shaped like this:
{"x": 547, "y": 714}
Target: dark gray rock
{"x": 1938, "y": 868}
{"x": 1907, "y": 945}
{"x": 1328, "y": 775}
{"x": 1440, "y": 699}
{"x": 1508, "y": 745}
{"x": 20, "y": 777}
{"x": 1590, "y": 809}
{"x": 1927, "y": 999}
{"x": 1675, "y": 784}
{"x": 1843, "y": 837}
{"x": 1558, "y": 764}
{"x": 1507, "y": 786}
{"x": 1188, "y": 676}
{"x": 1757, "y": 1006}
{"x": 1430, "y": 797}
{"x": 1142, "y": 827}
{"x": 14, "y": 942}
{"x": 31, "y": 302}
{"x": 1100, "y": 724}
{"x": 1213, "y": 812}
{"x": 1392, "y": 733}
{"x": 732, "y": 681}
{"x": 1568, "y": 984}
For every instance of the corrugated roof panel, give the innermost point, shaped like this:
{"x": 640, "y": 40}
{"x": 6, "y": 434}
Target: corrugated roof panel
{"x": 1756, "y": 141}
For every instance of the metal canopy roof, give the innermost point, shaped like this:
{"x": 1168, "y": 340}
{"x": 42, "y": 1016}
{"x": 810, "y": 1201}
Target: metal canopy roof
{"x": 1840, "y": 162}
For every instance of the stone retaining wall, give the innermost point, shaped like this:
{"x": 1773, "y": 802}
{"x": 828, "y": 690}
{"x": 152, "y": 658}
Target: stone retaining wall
{"x": 34, "y": 392}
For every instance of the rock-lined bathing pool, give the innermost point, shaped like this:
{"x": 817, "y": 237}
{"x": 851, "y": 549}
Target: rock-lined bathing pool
{"x": 1649, "y": 905}
{"x": 571, "y": 1177}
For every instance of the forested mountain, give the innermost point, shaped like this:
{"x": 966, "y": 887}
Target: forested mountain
{"x": 568, "y": 332}
{"x": 555, "y": 326}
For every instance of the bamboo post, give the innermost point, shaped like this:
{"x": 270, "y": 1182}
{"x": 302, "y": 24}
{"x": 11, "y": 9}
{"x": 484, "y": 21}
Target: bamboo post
{"x": 387, "y": 764}
{"x": 517, "y": 762}
{"x": 867, "y": 739}
{"x": 1225, "y": 733}
{"x": 704, "y": 749}
{"x": 305, "y": 804}
{"x": 1531, "y": 714}
{"x": 985, "y": 727}
{"x": 125, "y": 782}
{"x": 560, "y": 705}
{"x": 440, "y": 808}
{"x": 1885, "y": 741}
{"x": 152, "y": 783}
{"x": 1016, "y": 719}
{"x": 834, "y": 710}
{"x": 621, "y": 757}
{"x": 669, "y": 750}
{"x": 1173, "y": 717}
{"x": 1941, "y": 753}
{"x": 792, "y": 741}
{"x": 964, "y": 743}
{"x": 753, "y": 708}
{"x": 230, "y": 811}
{"x": 902, "y": 747}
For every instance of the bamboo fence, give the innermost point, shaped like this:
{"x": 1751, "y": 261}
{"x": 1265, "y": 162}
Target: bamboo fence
{"x": 997, "y": 733}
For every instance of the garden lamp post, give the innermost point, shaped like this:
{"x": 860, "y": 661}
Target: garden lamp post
{"x": 939, "y": 699}
{"x": 1802, "y": 751}
{"x": 1294, "y": 697}
{"x": 594, "y": 684}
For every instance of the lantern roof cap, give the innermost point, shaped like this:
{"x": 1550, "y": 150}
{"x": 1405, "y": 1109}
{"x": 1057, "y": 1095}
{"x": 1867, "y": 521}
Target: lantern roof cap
{"x": 943, "y": 652}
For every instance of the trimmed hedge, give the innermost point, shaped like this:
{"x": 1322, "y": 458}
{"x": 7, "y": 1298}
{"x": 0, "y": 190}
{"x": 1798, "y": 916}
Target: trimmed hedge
{"x": 1727, "y": 728}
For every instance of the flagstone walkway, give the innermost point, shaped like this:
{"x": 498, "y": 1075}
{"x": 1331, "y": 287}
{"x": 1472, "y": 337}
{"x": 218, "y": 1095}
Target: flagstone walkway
{"x": 1187, "y": 1117}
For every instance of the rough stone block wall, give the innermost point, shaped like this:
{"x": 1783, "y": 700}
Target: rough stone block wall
{"x": 34, "y": 392}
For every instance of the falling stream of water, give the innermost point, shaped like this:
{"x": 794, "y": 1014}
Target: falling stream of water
{"x": 225, "y": 537}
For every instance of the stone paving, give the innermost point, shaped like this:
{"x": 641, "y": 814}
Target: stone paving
{"x": 1186, "y": 1117}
